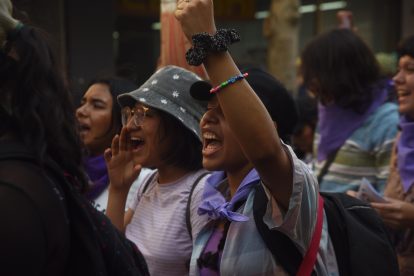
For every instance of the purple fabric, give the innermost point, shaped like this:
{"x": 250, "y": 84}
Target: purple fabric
{"x": 212, "y": 246}
{"x": 337, "y": 124}
{"x": 215, "y": 205}
{"x": 405, "y": 149}
{"x": 98, "y": 175}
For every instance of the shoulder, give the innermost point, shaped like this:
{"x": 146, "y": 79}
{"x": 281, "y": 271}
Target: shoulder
{"x": 388, "y": 111}
{"x": 381, "y": 127}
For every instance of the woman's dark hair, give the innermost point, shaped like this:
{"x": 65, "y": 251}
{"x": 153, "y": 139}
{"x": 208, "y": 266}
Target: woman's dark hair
{"x": 117, "y": 86}
{"x": 342, "y": 67}
{"x": 406, "y": 47}
{"x": 35, "y": 105}
{"x": 185, "y": 151}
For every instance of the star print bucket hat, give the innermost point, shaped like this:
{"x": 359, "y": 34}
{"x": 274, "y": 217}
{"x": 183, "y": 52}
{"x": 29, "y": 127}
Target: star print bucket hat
{"x": 168, "y": 90}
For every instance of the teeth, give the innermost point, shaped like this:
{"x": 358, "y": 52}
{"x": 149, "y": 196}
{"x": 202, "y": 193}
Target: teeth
{"x": 209, "y": 135}
{"x": 403, "y": 92}
{"x": 136, "y": 139}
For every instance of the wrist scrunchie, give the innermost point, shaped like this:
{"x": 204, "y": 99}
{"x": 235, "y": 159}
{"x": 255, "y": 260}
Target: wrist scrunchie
{"x": 203, "y": 43}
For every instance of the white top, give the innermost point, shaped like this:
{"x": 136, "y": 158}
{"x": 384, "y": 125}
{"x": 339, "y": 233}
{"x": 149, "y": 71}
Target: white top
{"x": 158, "y": 226}
{"x": 101, "y": 202}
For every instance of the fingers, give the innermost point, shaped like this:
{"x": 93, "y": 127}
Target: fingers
{"x": 107, "y": 155}
{"x": 115, "y": 145}
{"x": 383, "y": 206}
{"x": 352, "y": 193}
{"x": 136, "y": 170}
{"x": 124, "y": 139}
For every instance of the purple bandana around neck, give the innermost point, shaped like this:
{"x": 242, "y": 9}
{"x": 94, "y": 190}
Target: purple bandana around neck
{"x": 405, "y": 150}
{"x": 96, "y": 169}
{"x": 215, "y": 205}
{"x": 337, "y": 124}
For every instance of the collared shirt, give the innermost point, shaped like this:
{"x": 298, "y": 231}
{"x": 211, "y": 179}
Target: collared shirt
{"x": 245, "y": 253}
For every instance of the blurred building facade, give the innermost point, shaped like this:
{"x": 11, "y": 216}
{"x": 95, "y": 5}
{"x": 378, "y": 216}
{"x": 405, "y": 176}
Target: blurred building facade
{"x": 122, "y": 37}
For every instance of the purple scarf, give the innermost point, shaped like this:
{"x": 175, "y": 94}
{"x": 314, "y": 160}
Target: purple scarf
{"x": 337, "y": 124}
{"x": 405, "y": 150}
{"x": 215, "y": 205}
{"x": 98, "y": 175}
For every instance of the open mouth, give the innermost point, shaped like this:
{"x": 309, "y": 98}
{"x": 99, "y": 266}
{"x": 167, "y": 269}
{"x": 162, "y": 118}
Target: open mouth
{"x": 136, "y": 143}
{"x": 83, "y": 128}
{"x": 211, "y": 143}
{"x": 404, "y": 93}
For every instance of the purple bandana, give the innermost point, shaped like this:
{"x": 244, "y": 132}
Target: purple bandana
{"x": 337, "y": 124}
{"x": 98, "y": 175}
{"x": 215, "y": 205}
{"x": 405, "y": 148}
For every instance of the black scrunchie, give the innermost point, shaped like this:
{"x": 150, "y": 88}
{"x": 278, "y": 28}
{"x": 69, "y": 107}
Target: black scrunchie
{"x": 204, "y": 43}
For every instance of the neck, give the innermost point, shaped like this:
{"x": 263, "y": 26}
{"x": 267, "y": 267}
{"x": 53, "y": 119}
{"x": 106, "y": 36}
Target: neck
{"x": 235, "y": 177}
{"x": 168, "y": 174}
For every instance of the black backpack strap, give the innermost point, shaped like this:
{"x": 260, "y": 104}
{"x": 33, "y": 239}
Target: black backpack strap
{"x": 148, "y": 182}
{"x": 337, "y": 231}
{"x": 328, "y": 163}
{"x": 282, "y": 248}
{"x": 188, "y": 208}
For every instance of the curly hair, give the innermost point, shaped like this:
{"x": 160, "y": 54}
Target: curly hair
{"x": 342, "y": 68}
{"x": 35, "y": 104}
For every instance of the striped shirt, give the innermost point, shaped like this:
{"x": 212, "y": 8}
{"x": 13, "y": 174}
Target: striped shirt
{"x": 245, "y": 253}
{"x": 158, "y": 226}
{"x": 366, "y": 153}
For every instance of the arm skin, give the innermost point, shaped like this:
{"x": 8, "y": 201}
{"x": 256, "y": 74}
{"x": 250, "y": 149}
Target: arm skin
{"x": 243, "y": 110}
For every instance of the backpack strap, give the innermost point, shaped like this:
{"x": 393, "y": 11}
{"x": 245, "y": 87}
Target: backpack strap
{"x": 308, "y": 263}
{"x": 281, "y": 246}
{"x": 148, "y": 182}
{"x": 337, "y": 231}
{"x": 328, "y": 162}
{"x": 188, "y": 208}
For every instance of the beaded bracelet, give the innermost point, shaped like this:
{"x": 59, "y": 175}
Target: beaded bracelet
{"x": 227, "y": 82}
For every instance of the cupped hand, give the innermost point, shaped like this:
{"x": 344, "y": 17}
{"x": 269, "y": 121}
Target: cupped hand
{"x": 121, "y": 169}
{"x": 7, "y": 22}
{"x": 196, "y": 16}
{"x": 396, "y": 213}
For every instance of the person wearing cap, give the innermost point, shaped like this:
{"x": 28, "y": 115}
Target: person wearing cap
{"x": 243, "y": 146}
{"x": 160, "y": 131}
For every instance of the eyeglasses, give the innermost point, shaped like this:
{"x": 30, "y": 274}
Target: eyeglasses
{"x": 138, "y": 114}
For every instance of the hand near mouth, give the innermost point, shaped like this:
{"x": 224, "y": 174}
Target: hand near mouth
{"x": 121, "y": 169}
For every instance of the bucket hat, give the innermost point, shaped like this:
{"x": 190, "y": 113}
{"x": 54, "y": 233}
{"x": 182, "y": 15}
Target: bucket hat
{"x": 168, "y": 90}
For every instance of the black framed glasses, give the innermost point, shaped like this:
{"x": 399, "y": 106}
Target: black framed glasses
{"x": 137, "y": 113}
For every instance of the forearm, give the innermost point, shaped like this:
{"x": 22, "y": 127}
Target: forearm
{"x": 116, "y": 207}
{"x": 243, "y": 110}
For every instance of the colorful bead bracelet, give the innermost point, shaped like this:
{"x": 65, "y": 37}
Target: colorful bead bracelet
{"x": 227, "y": 82}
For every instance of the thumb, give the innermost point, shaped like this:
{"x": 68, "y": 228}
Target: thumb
{"x": 136, "y": 170}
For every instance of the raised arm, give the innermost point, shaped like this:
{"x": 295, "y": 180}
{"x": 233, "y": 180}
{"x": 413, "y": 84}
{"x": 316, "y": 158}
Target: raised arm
{"x": 243, "y": 110}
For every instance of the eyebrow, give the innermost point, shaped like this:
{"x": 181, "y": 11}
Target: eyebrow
{"x": 94, "y": 100}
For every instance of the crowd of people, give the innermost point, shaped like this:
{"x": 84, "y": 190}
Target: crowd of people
{"x": 185, "y": 176}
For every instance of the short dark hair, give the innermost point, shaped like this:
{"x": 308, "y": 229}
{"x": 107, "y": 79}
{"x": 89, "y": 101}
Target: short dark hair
{"x": 344, "y": 68}
{"x": 186, "y": 150}
{"x": 406, "y": 47}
